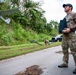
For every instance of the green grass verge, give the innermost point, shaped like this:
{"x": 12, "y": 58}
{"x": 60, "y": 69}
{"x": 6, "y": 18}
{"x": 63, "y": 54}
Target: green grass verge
{"x": 12, "y": 51}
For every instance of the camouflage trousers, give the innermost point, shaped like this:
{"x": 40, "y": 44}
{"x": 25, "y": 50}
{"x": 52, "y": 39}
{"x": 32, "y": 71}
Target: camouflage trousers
{"x": 69, "y": 41}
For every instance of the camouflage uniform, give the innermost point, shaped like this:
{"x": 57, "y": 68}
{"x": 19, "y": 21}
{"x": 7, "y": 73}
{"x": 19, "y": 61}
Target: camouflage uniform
{"x": 69, "y": 39}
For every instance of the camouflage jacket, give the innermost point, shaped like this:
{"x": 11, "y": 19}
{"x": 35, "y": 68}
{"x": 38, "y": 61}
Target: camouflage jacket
{"x": 71, "y": 20}
{"x": 71, "y": 23}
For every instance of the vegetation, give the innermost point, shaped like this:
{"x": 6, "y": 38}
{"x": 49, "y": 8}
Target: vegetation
{"x": 16, "y": 50}
{"x": 27, "y": 25}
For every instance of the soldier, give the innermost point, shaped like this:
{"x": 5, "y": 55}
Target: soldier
{"x": 69, "y": 36}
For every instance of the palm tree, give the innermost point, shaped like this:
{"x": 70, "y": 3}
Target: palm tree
{"x": 33, "y": 12}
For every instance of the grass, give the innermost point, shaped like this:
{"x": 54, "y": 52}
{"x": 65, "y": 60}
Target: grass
{"x": 16, "y": 50}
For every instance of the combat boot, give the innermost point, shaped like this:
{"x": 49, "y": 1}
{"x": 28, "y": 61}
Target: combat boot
{"x": 64, "y": 65}
{"x": 74, "y": 72}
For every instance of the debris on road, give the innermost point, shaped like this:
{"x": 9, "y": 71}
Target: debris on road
{"x": 33, "y": 70}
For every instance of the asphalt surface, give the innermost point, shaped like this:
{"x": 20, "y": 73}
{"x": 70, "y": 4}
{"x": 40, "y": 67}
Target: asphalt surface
{"x": 47, "y": 59}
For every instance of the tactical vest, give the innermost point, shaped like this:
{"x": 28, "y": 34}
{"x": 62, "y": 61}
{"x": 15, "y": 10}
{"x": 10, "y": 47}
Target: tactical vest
{"x": 68, "y": 22}
{"x": 70, "y": 19}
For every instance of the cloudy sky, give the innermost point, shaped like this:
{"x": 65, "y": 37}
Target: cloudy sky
{"x": 54, "y": 10}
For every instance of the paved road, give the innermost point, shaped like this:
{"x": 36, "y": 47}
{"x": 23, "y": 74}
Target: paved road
{"x": 47, "y": 59}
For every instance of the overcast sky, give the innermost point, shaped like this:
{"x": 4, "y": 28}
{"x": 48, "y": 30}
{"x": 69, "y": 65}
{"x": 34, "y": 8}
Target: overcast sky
{"x": 54, "y": 10}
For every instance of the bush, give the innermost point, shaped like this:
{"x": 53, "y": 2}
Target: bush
{"x": 42, "y": 37}
{"x": 19, "y": 35}
{"x": 7, "y": 38}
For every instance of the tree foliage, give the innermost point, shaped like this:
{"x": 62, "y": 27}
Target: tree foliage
{"x": 28, "y": 25}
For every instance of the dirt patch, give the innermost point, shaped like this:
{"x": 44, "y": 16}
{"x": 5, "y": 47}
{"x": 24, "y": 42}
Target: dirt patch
{"x": 32, "y": 70}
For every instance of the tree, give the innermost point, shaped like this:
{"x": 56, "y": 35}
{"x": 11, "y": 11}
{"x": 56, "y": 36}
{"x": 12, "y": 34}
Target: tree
{"x": 34, "y": 14}
{"x": 4, "y": 4}
{"x": 53, "y": 27}
{"x": 54, "y": 24}
{"x": 15, "y": 2}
